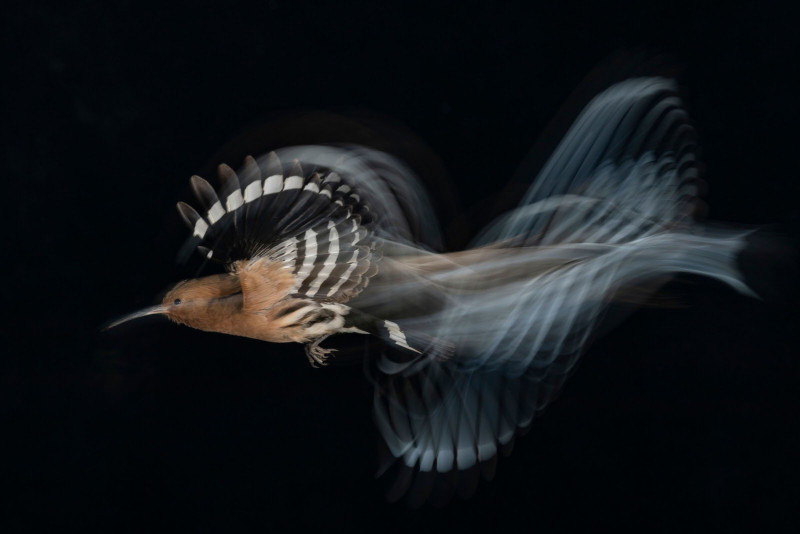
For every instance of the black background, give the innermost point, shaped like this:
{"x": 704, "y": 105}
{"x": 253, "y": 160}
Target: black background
{"x": 677, "y": 420}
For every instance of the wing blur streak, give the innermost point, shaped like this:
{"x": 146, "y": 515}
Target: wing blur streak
{"x": 612, "y": 209}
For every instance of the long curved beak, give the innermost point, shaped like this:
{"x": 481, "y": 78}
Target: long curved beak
{"x": 153, "y": 310}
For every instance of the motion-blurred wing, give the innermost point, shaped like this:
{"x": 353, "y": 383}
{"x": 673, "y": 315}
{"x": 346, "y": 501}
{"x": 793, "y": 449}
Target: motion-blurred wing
{"x": 387, "y": 185}
{"x": 625, "y": 169}
{"x": 446, "y": 424}
{"x": 610, "y": 212}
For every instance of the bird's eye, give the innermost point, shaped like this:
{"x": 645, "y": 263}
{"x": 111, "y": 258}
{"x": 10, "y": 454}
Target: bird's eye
{"x": 176, "y": 302}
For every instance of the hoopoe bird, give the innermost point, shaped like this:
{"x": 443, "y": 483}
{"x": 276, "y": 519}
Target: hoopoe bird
{"x": 320, "y": 240}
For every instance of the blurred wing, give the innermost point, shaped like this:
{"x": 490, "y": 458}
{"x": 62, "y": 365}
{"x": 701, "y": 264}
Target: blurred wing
{"x": 447, "y": 424}
{"x": 316, "y": 225}
{"x": 387, "y": 185}
{"x": 611, "y": 210}
{"x": 625, "y": 169}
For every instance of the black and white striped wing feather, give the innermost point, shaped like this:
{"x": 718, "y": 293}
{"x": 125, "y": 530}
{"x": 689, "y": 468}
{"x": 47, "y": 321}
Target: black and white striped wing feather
{"x": 315, "y": 223}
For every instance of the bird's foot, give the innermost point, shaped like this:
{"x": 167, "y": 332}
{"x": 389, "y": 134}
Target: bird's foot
{"x": 318, "y": 356}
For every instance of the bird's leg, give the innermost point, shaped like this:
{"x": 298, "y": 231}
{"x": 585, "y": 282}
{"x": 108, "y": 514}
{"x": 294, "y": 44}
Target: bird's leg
{"x": 318, "y": 356}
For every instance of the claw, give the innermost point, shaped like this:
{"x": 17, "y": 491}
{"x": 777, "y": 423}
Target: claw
{"x": 318, "y": 356}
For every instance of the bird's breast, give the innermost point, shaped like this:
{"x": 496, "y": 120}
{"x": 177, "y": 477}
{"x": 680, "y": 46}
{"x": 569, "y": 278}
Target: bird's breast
{"x": 294, "y": 320}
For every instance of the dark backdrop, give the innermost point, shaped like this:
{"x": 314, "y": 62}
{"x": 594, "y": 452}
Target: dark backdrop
{"x": 677, "y": 420}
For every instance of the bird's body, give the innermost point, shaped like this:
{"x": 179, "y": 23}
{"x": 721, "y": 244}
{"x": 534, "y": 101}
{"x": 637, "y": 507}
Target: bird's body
{"x": 319, "y": 241}
{"x": 254, "y": 300}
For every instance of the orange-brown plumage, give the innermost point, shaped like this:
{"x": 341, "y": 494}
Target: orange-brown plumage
{"x": 251, "y": 301}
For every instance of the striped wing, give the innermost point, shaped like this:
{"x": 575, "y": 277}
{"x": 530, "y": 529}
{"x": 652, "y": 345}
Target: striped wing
{"x": 626, "y": 169}
{"x": 446, "y": 425}
{"x": 611, "y": 211}
{"x": 315, "y": 224}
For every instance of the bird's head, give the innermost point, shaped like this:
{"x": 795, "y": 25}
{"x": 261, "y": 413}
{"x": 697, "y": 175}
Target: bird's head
{"x": 199, "y": 302}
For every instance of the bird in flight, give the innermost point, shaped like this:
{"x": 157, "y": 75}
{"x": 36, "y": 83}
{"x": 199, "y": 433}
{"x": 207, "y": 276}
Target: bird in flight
{"x": 323, "y": 240}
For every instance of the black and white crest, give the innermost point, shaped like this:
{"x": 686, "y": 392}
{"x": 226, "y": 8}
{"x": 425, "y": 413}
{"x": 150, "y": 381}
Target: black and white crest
{"x": 315, "y": 223}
